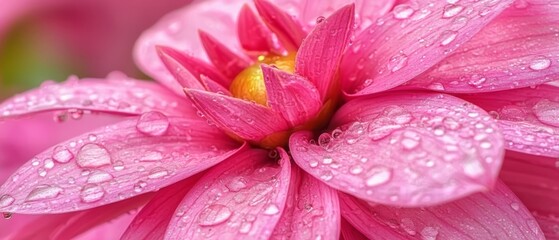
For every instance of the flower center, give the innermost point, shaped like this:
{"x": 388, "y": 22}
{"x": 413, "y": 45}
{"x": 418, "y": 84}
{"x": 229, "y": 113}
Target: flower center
{"x": 249, "y": 84}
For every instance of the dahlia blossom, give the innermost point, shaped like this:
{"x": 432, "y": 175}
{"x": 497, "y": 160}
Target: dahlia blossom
{"x": 311, "y": 120}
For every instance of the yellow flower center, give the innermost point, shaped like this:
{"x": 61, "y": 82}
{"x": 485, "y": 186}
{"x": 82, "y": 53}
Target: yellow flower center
{"x": 249, "y": 84}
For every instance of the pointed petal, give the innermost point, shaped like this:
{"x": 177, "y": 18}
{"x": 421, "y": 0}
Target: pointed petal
{"x": 187, "y": 69}
{"x": 240, "y": 198}
{"x": 113, "y": 163}
{"x": 247, "y": 120}
{"x": 411, "y": 40}
{"x": 524, "y": 53}
{"x": 212, "y": 86}
{"x": 480, "y": 216}
{"x": 320, "y": 53}
{"x": 70, "y": 225}
{"x": 293, "y": 96}
{"x": 534, "y": 180}
{"x": 178, "y": 30}
{"x": 288, "y": 29}
{"x": 225, "y": 60}
{"x": 312, "y": 211}
{"x": 527, "y": 117}
{"x": 253, "y": 34}
{"x": 152, "y": 221}
{"x": 120, "y": 96}
{"x": 406, "y": 149}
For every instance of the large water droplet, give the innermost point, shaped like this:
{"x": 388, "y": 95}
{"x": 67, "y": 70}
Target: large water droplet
{"x": 547, "y": 112}
{"x": 452, "y": 10}
{"x": 99, "y": 177}
{"x": 540, "y": 63}
{"x": 397, "y": 62}
{"x": 93, "y": 155}
{"x": 6, "y": 200}
{"x": 236, "y": 184}
{"x": 61, "y": 154}
{"x": 92, "y": 193}
{"x": 447, "y": 37}
{"x": 43, "y": 192}
{"x": 214, "y": 214}
{"x": 153, "y": 124}
{"x": 378, "y": 176}
{"x": 158, "y": 172}
{"x": 402, "y": 11}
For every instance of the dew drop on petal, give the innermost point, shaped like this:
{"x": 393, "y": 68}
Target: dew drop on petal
{"x": 540, "y": 63}
{"x": 378, "y": 176}
{"x": 447, "y": 37}
{"x": 118, "y": 166}
{"x": 7, "y": 215}
{"x": 473, "y": 168}
{"x": 403, "y": 11}
{"x": 158, "y": 172}
{"x": 153, "y": 124}
{"x": 93, "y": 155}
{"x": 271, "y": 209}
{"x": 515, "y": 206}
{"x": 452, "y": 10}
{"x": 397, "y": 62}
{"x": 99, "y": 177}
{"x": 214, "y": 214}
{"x": 236, "y": 184}
{"x": 151, "y": 156}
{"x": 139, "y": 186}
{"x": 429, "y": 233}
{"x": 547, "y": 112}
{"x": 61, "y": 154}
{"x": 92, "y": 193}
{"x": 6, "y": 200}
{"x": 43, "y": 192}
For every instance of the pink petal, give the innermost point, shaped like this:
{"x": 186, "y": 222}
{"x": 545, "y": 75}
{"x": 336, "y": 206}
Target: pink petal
{"x": 212, "y": 86}
{"x": 172, "y": 61}
{"x": 528, "y": 118}
{"x": 534, "y": 180}
{"x": 225, "y": 60}
{"x": 247, "y": 120}
{"x": 405, "y": 149}
{"x": 253, "y": 34}
{"x": 480, "y": 216}
{"x": 114, "y": 163}
{"x": 292, "y": 96}
{"x": 240, "y": 198}
{"x": 524, "y": 53}
{"x": 21, "y": 139}
{"x": 121, "y": 96}
{"x": 312, "y": 211}
{"x": 320, "y": 53}
{"x": 178, "y": 30}
{"x": 70, "y": 225}
{"x": 152, "y": 221}
{"x": 285, "y": 26}
{"x": 549, "y": 226}
{"x": 367, "y": 11}
{"x": 411, "y": 40}
{"x": 349, "y": 232}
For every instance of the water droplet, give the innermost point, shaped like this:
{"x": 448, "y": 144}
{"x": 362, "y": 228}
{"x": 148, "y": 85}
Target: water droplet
{"x": 429, "y": 233}
{"x": 397, "y": 62}
{"x": 452, "y": 10}
{"x": 151, "y": 156}
{"x": 271, "y": 209}
{"x": 326, "y": 175}
{"x": 158, "y": 172}
{"x": 357, "y": 169}
{"x": 477, "y": 80}
{"x": 473, "y": 168}
{"x": 92, "y": 193}
{"x": 92, "y": 137}
{"x": 61, "y": 154}
{"x": 320, "y": 19}
{"x": 313, "y": 163}
{"x": 153, "y": 124}
{"x": 327, "y": 160}
{"x": 118, "y": 166}
{"x": 515, "y": 206}
{"x": 43, "y": 192}
{"x": 547, "y": 112}
{"x": 48, "y": 164}
{"x": 378, "y": 176}
{"x": 6, "y": 200}
{"x": 540, "y": 63}
{"x": 447, "y": 37}
{"x": 214, "y": 214}
{"x": 402, "y": 11}
{"x": 99, "y": 177}
{"x": 93, "y": 155}
{"x": 139, "y": 186}
{"x": 42, "y": 172}
{"x": 408, "y": 226}
{"x": 245, "y": 227}
{"x": 236, "y": 184}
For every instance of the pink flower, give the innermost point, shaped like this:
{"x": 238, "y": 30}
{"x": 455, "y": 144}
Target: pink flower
{"x": 366, "y": 139}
